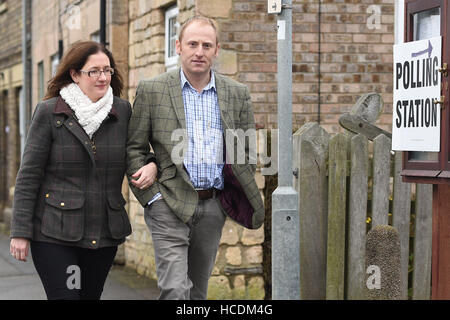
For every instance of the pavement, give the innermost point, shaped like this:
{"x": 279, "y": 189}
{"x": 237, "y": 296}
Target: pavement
{"x": 20, "y": 281}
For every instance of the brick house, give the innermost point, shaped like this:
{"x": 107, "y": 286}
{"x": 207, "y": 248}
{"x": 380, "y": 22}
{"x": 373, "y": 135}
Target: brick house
{"x": 347, "y": 54}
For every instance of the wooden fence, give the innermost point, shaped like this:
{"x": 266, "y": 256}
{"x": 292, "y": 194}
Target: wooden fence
{"x": 348, "y": 184}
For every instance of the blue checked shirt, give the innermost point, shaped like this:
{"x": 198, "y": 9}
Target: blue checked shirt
{"x": 204, "y": 158}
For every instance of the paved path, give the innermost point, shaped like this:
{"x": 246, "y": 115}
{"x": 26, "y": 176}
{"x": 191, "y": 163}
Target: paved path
{"x": 19, "y": 280}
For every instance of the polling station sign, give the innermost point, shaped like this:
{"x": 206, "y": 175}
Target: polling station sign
{"x": 416, "y": 124}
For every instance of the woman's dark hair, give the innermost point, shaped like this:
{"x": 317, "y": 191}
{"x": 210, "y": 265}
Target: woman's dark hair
{"x": 75, "y": 58}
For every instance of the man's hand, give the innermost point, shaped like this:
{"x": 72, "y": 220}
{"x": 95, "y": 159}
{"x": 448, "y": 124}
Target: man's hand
{"x": 145, "y": 176}
{"x": 19, "y": 248}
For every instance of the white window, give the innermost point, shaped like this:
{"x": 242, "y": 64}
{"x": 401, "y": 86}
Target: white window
{"x": 95, "y": 36}
{"x": 41, "y": 89}
{"x": 54, "y": 63}
{"x": 171, "y": 57}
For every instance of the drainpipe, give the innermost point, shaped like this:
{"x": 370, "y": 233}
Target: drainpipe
{"x": 320, "y": 74}
{"x": 24, "y": 106}
{"x": 103, "y": 22}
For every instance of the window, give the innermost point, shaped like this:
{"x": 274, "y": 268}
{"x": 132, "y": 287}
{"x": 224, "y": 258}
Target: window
{"x": 4, "y": 129}
{"x": 95, "y": 36}
{"x": 171, "y": 57}
{"x": 20, "y": 114}
{"x": 54, "y": 63}
{"x": 41, "y": 81}
{"x": 423, "y": 20}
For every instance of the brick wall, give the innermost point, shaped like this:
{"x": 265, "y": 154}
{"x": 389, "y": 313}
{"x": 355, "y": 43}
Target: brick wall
{"x": 355, "y": 59}
{"x": 10, "y": 34}
{"x": 356, "y": 56}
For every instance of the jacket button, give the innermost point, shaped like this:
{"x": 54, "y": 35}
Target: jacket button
{"x": 62, "y": 204}
{"x": 70, "y": 124}
{"x": 58, "y": 122}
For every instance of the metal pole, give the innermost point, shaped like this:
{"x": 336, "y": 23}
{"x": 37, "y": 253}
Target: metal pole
{"x": 285, "y": 215}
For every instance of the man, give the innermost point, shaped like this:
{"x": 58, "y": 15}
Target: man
{"x": 186, "y": 198}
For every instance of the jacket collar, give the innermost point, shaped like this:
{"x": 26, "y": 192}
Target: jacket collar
{"x": 177, "y": 98}
{"x": 63, "y": 108}
{"x": 211, "y": 83}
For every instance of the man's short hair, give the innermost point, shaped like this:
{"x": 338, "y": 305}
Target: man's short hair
{"x": 198, "y": 19}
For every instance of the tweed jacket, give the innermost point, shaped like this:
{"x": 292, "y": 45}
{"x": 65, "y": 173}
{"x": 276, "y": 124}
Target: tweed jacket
{"x": 68, "y": 189}
{"x": 158, "y": 112}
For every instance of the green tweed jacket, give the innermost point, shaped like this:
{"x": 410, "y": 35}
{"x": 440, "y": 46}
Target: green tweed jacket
{"x": 69, "y": 187}
{"x": 157, "y": 117}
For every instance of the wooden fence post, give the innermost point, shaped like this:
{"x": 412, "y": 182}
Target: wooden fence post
{"x": 310, "y": 157}
{"x": 422, "y": 242}
{"x": 381, "y": 176}
{"x": 401, "y": 213}
{"x": 337, "y": 196}
{"x": 356, "y": 271}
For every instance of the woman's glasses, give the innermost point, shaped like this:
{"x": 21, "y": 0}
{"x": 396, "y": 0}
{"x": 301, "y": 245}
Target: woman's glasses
{"x": 96, "y": 73}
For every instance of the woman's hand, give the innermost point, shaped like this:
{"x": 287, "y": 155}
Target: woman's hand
{"x": 145, "y": 176}
{"x": 19, "y": 248}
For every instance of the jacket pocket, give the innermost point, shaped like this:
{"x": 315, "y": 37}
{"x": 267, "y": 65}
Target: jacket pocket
{"x": 119, "y": 224}
{"x": 167, "y": 173}
{"x": 63, "y": 217}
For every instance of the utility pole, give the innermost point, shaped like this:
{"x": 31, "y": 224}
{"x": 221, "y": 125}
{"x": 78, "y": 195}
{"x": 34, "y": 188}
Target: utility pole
{"x": 285, "y": 213}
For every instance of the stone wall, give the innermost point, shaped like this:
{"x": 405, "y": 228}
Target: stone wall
{"x": 54, "y": 20}
{"x": 10, "y": 83}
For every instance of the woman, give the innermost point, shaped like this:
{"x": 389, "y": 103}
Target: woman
{"x": 68, "y": 207}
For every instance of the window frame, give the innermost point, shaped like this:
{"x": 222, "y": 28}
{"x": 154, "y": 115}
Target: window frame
{"x": 430, "y": 171}
{"x": 170, "y": 61}
{"x": 54, "y": 59}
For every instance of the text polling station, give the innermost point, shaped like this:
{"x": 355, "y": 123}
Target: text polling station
{"x": 417, "y": 89}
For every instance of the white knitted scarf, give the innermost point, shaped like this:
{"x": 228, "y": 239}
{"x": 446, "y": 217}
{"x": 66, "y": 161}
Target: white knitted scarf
{"x": 90, "y": 115}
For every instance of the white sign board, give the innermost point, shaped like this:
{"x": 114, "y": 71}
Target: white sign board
{"x": 416, "y": 124}
{"x": 274, "y": 6}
